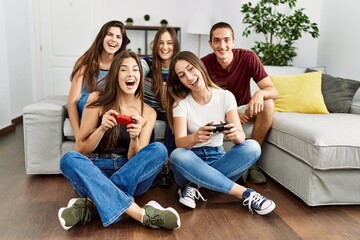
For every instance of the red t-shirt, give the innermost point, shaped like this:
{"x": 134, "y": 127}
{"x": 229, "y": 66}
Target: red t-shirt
{"x": 236, "y": 77}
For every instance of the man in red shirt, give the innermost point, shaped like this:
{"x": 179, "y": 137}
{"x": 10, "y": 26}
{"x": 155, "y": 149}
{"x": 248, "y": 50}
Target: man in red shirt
{"x": 233, "y": 69}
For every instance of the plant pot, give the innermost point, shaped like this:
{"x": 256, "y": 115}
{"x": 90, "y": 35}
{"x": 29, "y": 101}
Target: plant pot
{"x": 129, "y": 24}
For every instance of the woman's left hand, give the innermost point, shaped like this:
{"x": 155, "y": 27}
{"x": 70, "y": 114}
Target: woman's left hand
{"x": 233, "y": 133}
{"x": 134, "y": 129}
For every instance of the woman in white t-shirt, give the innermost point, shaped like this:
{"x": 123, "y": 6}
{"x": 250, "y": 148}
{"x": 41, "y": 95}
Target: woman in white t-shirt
{"x": 194, "y": 103}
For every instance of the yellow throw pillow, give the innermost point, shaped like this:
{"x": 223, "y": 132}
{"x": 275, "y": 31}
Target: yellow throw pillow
{"x": 299, "y": 93}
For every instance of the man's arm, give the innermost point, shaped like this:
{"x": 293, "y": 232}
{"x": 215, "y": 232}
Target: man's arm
{"x": 256, "y": 104}
{"x": 268, "y": 89}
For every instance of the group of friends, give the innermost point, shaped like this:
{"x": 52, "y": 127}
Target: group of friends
{"x": 114, "y": 163}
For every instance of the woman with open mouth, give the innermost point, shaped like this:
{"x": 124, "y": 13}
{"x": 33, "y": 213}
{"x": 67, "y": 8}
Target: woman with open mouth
{"x": 201, "y": 115}
{"x": 91, "y": 68}
{"x": 115, "y": 161}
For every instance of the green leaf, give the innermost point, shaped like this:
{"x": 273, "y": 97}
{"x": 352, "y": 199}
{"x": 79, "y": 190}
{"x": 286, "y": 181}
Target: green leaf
{"x": 280, "y": 30}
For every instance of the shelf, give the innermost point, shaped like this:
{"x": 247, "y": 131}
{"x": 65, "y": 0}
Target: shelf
{"x": 146, "y": 29}
{"x": 149, "y": 28}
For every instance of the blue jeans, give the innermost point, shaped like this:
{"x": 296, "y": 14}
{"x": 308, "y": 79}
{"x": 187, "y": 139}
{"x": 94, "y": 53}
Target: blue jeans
{"x": 112, "y": 184}
{"x": 82, "y": 103}
{"x": 211, "y": 167}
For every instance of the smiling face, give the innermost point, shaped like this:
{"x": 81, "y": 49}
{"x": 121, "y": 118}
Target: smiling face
{"x": 129, "y": 75}
{"x": 189, "y": 76}
{"x": 166, "y": 48}
{"x": 113, "y": 40}
{"x": 222, "y": 43}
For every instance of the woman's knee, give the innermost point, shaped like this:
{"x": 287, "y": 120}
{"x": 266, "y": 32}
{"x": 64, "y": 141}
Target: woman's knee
{"x": 249, "y": 146}
{"x": 159, "y": 148}
{"x": 68, "y": 159}
{"x": 178, "y": 155}
{"x": 253, "y": 147}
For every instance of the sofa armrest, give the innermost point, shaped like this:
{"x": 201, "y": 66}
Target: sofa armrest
{"x": 355, "y": 108}
{"x": 43, "y": 134}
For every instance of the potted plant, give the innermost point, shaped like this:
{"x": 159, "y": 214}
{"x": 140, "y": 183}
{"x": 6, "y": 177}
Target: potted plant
{"x": 147, "y": 19}
{"x": 163, "y": 22}
{"x": 129, "y": 21}
{"x": 280, "y": 30}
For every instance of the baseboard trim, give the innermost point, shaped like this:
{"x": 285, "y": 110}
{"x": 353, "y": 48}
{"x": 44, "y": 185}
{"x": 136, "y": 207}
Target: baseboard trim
{"x": 7, "y": 130}
{"x": 11, "y": 128}
{"x": 18, "y": 120}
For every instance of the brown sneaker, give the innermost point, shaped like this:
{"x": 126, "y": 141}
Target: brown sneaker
{"x": 255, "y": 175}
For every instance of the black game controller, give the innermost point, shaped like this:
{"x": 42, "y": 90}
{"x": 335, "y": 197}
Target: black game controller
{"x": 218, "y": 127}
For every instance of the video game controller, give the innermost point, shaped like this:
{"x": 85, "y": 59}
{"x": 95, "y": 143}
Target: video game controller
{"x": 218, "y": 127}
{"x": 123, "y": 119}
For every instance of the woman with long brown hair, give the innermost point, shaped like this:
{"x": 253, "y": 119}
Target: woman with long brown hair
{"x": 92, "y": 67}
{"x": 201, "y": 115}
{"x": 156, "y": 69}
{"x": 115, "y": 162}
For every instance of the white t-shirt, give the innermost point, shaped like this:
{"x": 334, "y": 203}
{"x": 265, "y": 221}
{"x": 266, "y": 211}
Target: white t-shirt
{"x": 221, "y": 102}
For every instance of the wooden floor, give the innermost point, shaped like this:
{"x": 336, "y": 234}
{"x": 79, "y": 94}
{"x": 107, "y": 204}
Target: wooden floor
{"x": 29, "y": 206}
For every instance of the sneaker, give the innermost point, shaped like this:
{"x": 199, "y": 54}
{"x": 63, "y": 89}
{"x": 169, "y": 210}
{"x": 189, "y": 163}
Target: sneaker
{"x": 256, "y": 176}
{"x": 164, "y": 179}
{"x": 188, "y": 193}
{"x": 245, "y": 176}
{"x": 155, "y": 216}
{"x": 258, "y": 203}
{"x": 77, "y": 210}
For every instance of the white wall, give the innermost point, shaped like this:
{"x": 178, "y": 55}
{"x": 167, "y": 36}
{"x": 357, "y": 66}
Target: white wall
{"x": 177, "y": 13}
{"x": 16, "y": 71}
{"x": 5, "y": 111}
{"x": 337, "y": 47}
{"x": 19, "y": 58}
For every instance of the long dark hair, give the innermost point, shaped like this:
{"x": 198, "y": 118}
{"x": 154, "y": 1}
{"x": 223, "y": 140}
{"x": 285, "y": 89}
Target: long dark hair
{"x": 90, "y": 59}
{"x": 109, "y": 96}
{"x": 157, "y": 77}
{"x": 176, "y": 91}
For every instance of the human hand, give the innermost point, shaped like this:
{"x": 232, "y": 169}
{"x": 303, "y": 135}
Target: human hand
{"x": 204, "y": 133}
{"x": 256, "y": 104}
{"x": 233, "y": 133}
{"x": 134, "y": 129}
{"x": 108, "y": 121}
{"x": 243, "y": 118}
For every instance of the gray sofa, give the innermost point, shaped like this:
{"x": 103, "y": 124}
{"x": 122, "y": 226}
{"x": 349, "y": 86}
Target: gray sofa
{"x": 48, "y": 134}
{"x": 315, "y": 156}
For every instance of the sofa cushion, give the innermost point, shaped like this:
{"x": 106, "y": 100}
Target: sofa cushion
{"x": 338, "y": 92}
{"x": 299, "y": 93}
{"x": 68, "y": 131}
{"x": 355, "y": 108}
{"x": 323, "y": 141}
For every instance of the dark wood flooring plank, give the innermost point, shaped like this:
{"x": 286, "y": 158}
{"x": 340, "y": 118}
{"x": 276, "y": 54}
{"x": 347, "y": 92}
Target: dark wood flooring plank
{"x": 312, "y": 222}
